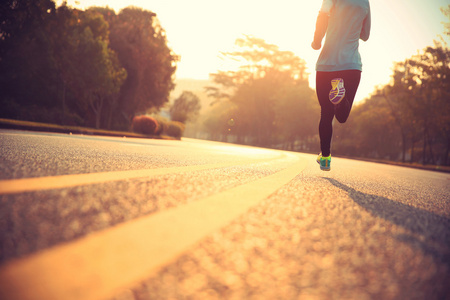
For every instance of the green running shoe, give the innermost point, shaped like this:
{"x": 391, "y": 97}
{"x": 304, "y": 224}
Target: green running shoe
{"x": 324, "y": 162}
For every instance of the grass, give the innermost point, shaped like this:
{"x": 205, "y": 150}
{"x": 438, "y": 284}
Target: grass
{"x": 36, "y": 126}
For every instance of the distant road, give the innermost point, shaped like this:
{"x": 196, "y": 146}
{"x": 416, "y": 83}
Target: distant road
{"x": 90, "y": 217}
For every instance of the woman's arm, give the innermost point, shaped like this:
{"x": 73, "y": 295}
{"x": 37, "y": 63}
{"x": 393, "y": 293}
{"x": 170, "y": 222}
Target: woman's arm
{"x": 322, "y": 24}
{"x": 365, "y": 30}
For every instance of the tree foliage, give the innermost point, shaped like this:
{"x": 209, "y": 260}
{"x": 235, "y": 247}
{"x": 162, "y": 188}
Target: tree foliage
{"x": 267, "y": 102}
{"x": 141, "y": 45}
{"x": 186, "y": 107}
{"x": 93, "y": 67}
{"x": 446, "y": 12}
{"x": 86, "y": 64}
{"x": 408, "y": 119}
{"x": 25, "y": 55}
{"x": 272, "y": 102}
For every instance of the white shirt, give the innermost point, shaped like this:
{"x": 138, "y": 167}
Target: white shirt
{"x": 349, "y": 21}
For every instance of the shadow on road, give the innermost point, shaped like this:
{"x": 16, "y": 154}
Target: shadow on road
{"x": 429, "y": 232}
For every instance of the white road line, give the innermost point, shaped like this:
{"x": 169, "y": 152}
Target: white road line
{"x": 102, "y": 264}
{"x": 15, "y": 186}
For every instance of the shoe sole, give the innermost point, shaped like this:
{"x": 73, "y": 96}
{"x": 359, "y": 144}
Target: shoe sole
{"x": 323, "y": 168}
{"x": 337, "y": 92}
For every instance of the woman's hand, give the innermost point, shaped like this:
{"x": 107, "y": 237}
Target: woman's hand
{"x": 316, "y": 46}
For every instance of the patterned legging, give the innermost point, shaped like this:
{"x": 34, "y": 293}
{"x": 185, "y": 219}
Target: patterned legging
{"x": 329, "y": 110}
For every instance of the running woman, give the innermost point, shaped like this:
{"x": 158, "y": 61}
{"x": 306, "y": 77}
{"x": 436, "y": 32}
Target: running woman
{"x": 338, "y": 68}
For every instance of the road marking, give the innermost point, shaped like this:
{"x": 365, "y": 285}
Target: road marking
{"x": 23, "y": 185}
{"x": 102, "y": 264}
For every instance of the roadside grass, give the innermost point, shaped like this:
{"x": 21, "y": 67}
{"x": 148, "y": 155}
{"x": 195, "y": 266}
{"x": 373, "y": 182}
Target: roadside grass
{"x": 36, "y": 126}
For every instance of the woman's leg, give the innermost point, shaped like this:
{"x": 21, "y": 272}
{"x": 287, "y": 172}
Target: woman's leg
{"x": 323, "y": 81}
{"x": 328, "y": 110}
{"x": 351, "y": 83}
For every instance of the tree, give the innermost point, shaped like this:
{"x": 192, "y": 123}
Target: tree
{"x": 18, "y": 18}
{"x": 59, "y": 64}
{"x": 26, "y": 73}
{"x": 370, "y": 132}
{"x": 446, "y": 12}
{"x": 103, "y": 73}
{"x": 86, "y": 65}
{"x": 63, "y": 51}
{"x": 261, "y": 90}
{"x": 421, "y": 89}
{"x": 141, "y": 45}
{"x": 186, "y": 107}
{"x": 56, "y": 60}
{"x": 296, "y": 115}
{"x": 415, "y": 104}
{"x": 220, "y": 122}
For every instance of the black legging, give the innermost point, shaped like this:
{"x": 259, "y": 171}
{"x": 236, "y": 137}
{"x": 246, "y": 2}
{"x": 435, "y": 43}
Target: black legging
{"x": 328, "y": 109}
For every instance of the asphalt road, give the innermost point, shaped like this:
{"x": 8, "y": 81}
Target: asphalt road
{"x": 87, "y": 217}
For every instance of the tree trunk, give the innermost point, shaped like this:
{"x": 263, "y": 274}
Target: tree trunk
{"x": 64, "y": 109}
{"x": 447, "y": 152}
{"x": 430, "y": 148}
{"x": 403, "y": 146}
{"x": 97, "y": 109}
{"x": 424, "y": 149}
{"x": 98, "y": 114}
{"x": 413, "y": 144}
{"x": 112, "y": 109}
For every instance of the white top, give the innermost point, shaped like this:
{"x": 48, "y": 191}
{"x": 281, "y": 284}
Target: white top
{"x": 349, "y": 21}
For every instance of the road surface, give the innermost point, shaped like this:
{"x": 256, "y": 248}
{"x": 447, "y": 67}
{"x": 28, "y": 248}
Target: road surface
{"x": 89, "y": 217}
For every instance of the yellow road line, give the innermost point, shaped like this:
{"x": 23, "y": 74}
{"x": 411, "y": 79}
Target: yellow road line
{"x": 15, "y": 186}
{"x": 101, "y": 264}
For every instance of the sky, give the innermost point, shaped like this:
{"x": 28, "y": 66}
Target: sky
{"x": 200, "y": 30}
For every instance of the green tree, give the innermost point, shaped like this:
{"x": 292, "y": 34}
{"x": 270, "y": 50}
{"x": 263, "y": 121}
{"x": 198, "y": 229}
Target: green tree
{"x": 296, "y": 115}
{"x": 370, "y": 132}
{"x": 409, "y": 116}
{"x": 103, "y": 74}
{"x": 141, "y": 44}
{"x": 19, "y": 19}
{"x": 186, "y": 107}
{"x": 220, "y": 122}
{"x": 446, "y": 12}
{"x": 86, "y": 65}
{"x": 63, "y": 51}
{"x": 26, "y": 70}
{"x": 261, "y": 89}
{"x": 418, "y": 99}
{"x": 56, "y": 60}
{"x": 56, "y": 64}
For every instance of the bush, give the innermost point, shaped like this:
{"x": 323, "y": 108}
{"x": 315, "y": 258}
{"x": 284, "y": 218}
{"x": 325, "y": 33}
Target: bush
{"x": 10, "y": 109}
{"x": 163, "y": 124}
{"x": 175, "y": 129}
{"x": 144, "y": 124}
{"x": 36, "y": 113}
